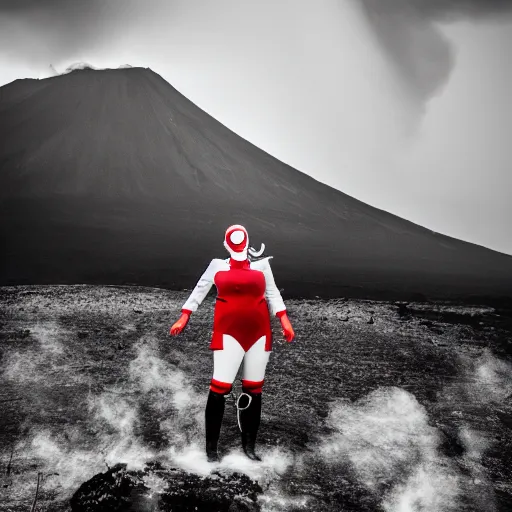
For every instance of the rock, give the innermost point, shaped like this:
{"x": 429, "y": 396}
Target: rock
{"x": 505, "y": 418}
{"x": 344, "y": 318}
{"x": 403, "y": 309}
{"x": 433, "y": 327}
{"x": 371, "y": 321}
{"x": 119, "y": 490}
{"x": 137, "y": 310}
{"x": 106, "y": 491}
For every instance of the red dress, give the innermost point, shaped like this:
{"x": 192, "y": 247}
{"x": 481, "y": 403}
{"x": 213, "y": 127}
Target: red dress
{"x": 241, "y": 309}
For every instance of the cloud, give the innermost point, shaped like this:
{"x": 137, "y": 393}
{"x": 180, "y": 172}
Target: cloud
{"x": 416, "y": 48}
{"x": 46, "y": 33}
{"x": 456, "y": 9}
{"x": 410, "y": 36}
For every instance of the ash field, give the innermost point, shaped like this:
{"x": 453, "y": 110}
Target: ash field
{"x": 377, "y": 406}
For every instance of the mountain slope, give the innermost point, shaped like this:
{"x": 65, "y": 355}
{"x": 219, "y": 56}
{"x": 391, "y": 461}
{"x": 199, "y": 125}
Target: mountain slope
{"x": 113, "y": 176}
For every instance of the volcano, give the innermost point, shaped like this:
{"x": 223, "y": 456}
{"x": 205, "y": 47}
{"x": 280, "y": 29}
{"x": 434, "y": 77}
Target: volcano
{"x": 114, "y": 177}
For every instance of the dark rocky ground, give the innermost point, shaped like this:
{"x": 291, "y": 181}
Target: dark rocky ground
{"x": 377, "y": 407}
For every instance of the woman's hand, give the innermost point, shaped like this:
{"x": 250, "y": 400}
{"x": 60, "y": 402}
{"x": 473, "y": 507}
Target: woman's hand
{"x": 179, "y": 325}
{"x": 287, "y": 327}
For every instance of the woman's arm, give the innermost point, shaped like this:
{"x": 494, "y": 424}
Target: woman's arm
{"x": 276, "y": 303}
{"x": 197, "y": 296}
{"x": 272, "y": 293}
{"x": 202, "y": 288}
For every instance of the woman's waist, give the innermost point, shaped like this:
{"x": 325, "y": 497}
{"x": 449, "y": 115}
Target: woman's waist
{"x": 242, "y": 309}
{"x": 240, "y": 301}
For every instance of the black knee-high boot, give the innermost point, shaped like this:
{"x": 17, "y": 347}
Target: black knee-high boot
{"x": 214, "y": 413}
{"x": 249, "y": 418}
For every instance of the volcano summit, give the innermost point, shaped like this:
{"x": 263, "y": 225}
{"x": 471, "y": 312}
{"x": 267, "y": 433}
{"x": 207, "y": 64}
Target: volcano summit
{"x": 114, "y": 177}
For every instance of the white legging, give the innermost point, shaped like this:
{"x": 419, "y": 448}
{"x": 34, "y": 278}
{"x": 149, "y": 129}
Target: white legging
{"x": 226, "y": 362}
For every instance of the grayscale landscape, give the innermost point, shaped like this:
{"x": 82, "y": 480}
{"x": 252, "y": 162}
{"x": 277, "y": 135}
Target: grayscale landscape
{"x": 115, "y": 193}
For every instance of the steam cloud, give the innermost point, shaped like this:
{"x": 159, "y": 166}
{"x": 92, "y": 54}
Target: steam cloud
{"x": 70, "y": 455}
{"x": 386, "y": 438}
{"x": 40, "y": 362}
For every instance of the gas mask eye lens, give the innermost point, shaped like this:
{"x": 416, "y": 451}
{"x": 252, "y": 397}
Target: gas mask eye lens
{"x": 237, "y": 237}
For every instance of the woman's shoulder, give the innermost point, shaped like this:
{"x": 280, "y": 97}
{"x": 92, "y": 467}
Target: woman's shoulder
{"x": 219, "y": 264}
{"x": 215, "y": 265}
{"x": 262, "y": 263}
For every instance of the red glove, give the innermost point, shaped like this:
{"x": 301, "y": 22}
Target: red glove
{"x": 180, "y": 324}
{"x": 286, "y": 325}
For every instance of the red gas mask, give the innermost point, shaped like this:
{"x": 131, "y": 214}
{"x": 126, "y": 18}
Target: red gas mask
{"x": 236, "y": 241}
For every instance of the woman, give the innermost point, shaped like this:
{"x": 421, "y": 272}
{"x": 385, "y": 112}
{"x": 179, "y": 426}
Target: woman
{"x": 241, "y": 332}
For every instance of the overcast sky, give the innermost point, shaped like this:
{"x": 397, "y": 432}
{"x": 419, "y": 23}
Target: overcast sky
{"x": 403, "y": 104}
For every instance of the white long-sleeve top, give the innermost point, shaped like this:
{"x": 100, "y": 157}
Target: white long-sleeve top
{"x": 206, "y": 281}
